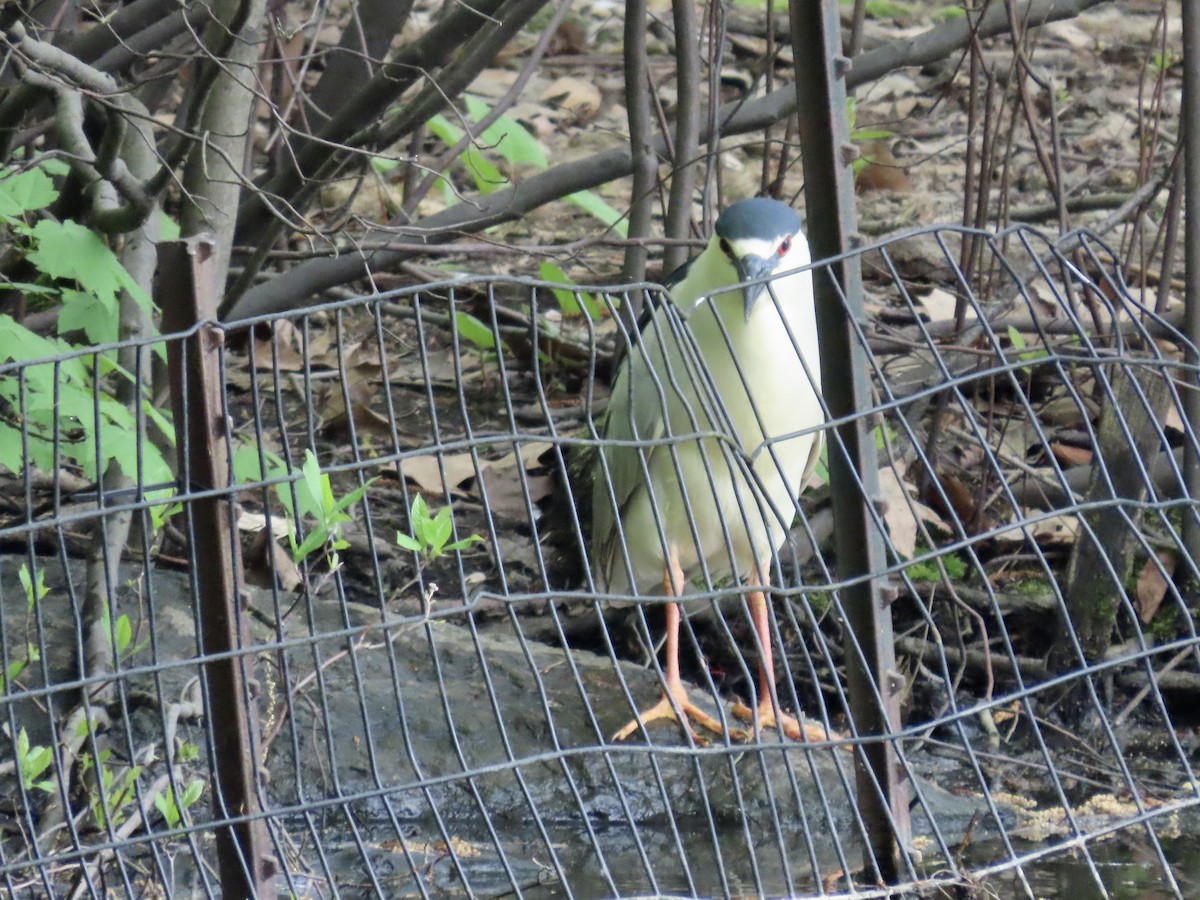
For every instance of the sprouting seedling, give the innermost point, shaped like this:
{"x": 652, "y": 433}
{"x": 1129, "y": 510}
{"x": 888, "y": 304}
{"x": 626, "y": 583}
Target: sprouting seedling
{"x": 1021, "y": 346}
{"x": 172, "y": 809}
{"x": 33, "y": 592}
{"x": 33, "y": 761}
{"x": 316, "y": 497}
{"x": 431, "y": 534}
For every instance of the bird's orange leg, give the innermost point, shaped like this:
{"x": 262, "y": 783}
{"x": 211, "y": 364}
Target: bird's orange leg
{"x": 675, "y": 699}
{"x": 765, "y": 716}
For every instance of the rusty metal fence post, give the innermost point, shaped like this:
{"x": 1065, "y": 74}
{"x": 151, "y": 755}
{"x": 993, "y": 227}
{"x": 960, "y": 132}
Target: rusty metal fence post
{"x": 874, "y": 682}
{"x": 247, "y": 864}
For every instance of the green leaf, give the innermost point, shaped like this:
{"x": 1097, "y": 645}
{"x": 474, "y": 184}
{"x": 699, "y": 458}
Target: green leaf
{"x": 441, "y": 127}
{"x": 192, "y": 793}
{"x": 33, "y": 593}
{"x": 440, "y": 529}
{"x": 418, "y": 519}
{"x": 408, "y": 542}
{"x": 475, "y": 331}
{"x": 14, "y": 672}
{"x": 310, "y": 490}
{"x": 24, "y": 192}
{"x": 486, "y": 176}
{"x": 549, "y": 271}
{"x": 872, "y": 134}
{"x": 353, "y": 497}
{"x": 507, "y": 136}
{"x": 26, "y": 287}
{"x": 70, "y": 251}
{"x": 168, "y": 228}
{"x": 165, "y": 804}
{"x": 316, "y": 538}
{"x": 383, "y": 164}
{"x": 95, "y": 315}
{"x": 124, "y": 633}
{"x": 592, "y": 204}
{"x": 572, "y": 303}
{"x": 463, "y": 544}
{"x": 56, "y": 167}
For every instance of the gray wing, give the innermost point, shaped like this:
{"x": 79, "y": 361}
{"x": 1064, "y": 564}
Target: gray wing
{"x": 662, "y": 370}
{"x": 635, "y": 413}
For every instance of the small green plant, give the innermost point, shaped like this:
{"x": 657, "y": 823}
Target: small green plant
{"x": 33, "y": 592}
{"x": 172, "y": 809}
{"x": 33, "y": 761}
{"x": 314, "y": 494}
{"x": 513, "y": 142}
{"x": 16, "y": 667}
{"x": 122, "y": 637}
{"x": 1020, "y": 345}
{"x": 430, "y": 534}
{"x": 64, "y": 411}
{"x": 115, "y": 792}
{"x": 1161, "y": 61}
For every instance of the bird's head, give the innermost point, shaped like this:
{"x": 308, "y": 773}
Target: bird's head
{"x": 758, "y": 237}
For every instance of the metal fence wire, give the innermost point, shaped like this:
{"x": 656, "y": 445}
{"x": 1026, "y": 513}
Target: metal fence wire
{"x": 436, "y": 679}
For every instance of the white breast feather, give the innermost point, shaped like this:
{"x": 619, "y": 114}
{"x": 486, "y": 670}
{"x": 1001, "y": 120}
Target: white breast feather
{"x": 733, "y": 524}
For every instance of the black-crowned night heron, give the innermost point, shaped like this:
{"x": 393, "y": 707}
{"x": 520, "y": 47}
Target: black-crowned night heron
{"x": 702, "y": 462}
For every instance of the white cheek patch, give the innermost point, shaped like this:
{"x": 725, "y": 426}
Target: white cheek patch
{"x": 756, "y": 247}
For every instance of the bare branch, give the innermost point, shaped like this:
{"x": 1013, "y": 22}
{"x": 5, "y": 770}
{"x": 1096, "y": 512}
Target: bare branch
{"x": 297, "y": 286}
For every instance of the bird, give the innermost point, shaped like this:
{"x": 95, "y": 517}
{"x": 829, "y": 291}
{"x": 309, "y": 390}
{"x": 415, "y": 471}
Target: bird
{"x": 710, "y": 435}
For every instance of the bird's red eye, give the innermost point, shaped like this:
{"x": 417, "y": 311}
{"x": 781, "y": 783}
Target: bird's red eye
{"x": 785, "y": 246}
{"x": 725, "y": 248}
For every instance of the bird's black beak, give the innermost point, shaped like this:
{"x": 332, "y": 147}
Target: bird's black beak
{"x": 748, "y": 269}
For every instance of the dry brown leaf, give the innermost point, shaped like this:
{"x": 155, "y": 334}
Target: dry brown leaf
{"x": 1064, "y": 410}
{"x": 939, "y": 305}
{"x": 960, "y": 497}
{"x": 1152, "y": 584}
{"x": 506, "y": 494}
{"x": 265, "y": 561}
{"x": 882, "y": 172}
{"x": 902, "y": 510}
{"x": 1061, "y": 529}
{"x": 426, "y": 472}
{"x": 577, "y": 96}
{"x": 252, "y": 523}
{"x": 367, "y": 422}
{"x": 1071, "y": 456}
{"x": 280, "y": 351}
{"x": 528, "y": 454}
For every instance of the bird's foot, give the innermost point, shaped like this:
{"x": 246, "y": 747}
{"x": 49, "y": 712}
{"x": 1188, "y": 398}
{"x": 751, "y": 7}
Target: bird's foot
{"x": 665, "y": 709}
{"x": 805, "y": 731}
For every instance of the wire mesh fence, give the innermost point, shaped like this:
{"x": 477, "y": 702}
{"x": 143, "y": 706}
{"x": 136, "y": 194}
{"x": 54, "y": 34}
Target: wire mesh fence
{"x": 437, "y": 677}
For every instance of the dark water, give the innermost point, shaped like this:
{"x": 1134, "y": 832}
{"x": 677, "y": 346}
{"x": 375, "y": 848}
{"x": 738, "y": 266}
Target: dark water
{"x": 1126, "y": 867}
